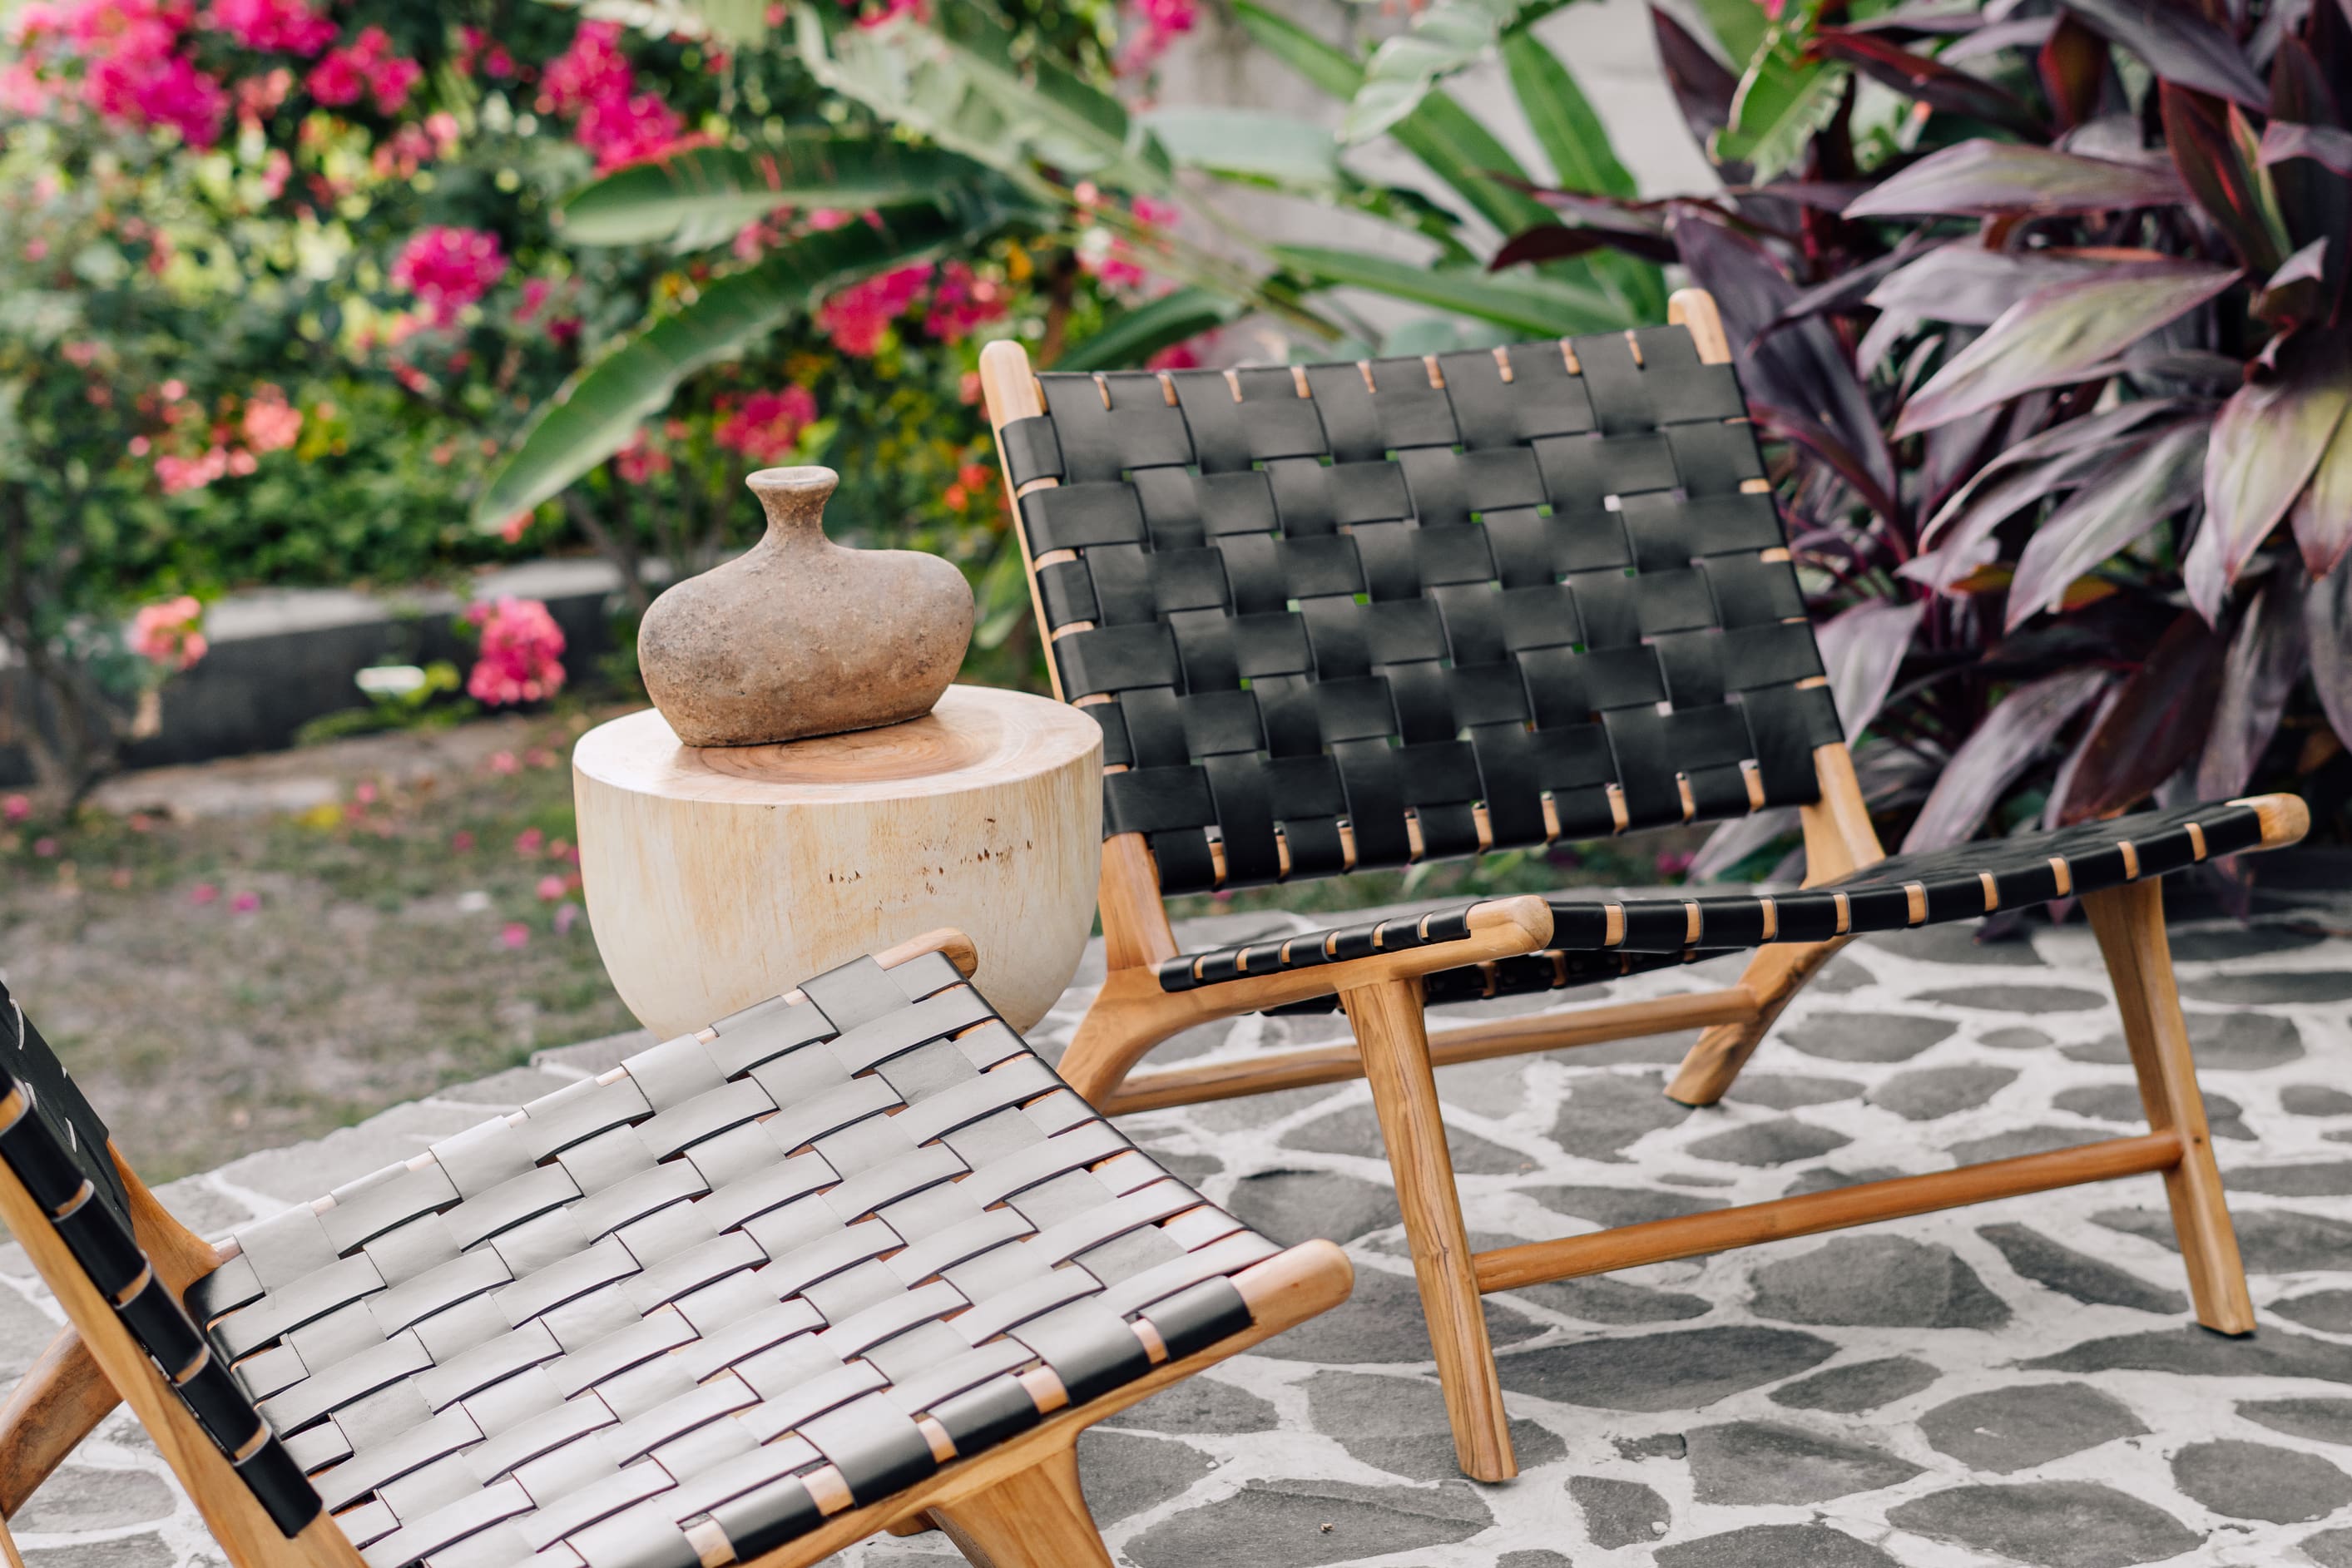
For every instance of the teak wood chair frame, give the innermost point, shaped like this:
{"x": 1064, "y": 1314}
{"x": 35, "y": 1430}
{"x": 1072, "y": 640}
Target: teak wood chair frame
{"x": 1015, "y": 1505}
{"x": 1382, "y": 997}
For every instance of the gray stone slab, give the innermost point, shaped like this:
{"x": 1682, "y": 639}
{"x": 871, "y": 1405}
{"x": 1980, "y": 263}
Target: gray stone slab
{"x": 1298, "y": 1523}
{"x": 2017, "y": 1428}
{"x": 2078, "y": 1274}
{"x": 1866, "y": 1037}
{"x": 1619, "y": 1513}
{"x": 1864, "y": 1386}
{"x": 2261, "y": 1480}
{"x": 1403, "y": 1430}
{"x": 1687, "y": 1370}
{"x": 2052, "y": 1524}
{"x": 1926, "y": 1093}
{"x": 1776, "y": 1546}
{"x": 1878, "y": 1280}
{"x": 1748, "y": 1462}
{"x": 2270, "y": 1240}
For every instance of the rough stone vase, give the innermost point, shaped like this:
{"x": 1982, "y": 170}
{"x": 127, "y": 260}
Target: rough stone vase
{"x": 798, "y": 636}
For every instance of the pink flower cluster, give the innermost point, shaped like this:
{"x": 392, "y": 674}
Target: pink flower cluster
{"x": 962, "y": 303}
{"x": 856, "y": 318}
{"x": 166, "y": 634}
{"x": 270, "y": 423}
{"x": 640, "y": 461}
{"x": 287, "y": 26}
{"x": 365, "y": 66}
{"x": 765, "y": 426}
{"x": 1157, "y": 25}
{"x": 449, "y": 268}
{"x": 132, "y": 71}
{"x": 594, "y": 82}
{"x": 1114, "y": 258}
{"x": 523, "y": 652}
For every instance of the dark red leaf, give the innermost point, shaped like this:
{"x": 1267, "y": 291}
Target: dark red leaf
{"x": 2314, "y": 199}
{"x": 1964, "y": 282}
{"x": 2016, "y": 33}
{"x": 1930, "y": 81}
{"x": 1800, "y": 368}
{"x": 2139, "y": 487}
{"x": 2267, "y": 658}
{"x": 2197, "y": 129}
{"x": 2158, "y": 720}
{"x": 1981, "y": 178}
{"x": 1817, "y": 439}
{"x": 2267, "y": 442}
{"x": 2324, "y": 144}
{"x": 2296, "y": 293}
{"x": 1559, "y": 242}
{"x": 2060, "y": 334}
{"x": 2328, "y": 622}
{"x": 2179, "y": 45}
{"x": 1861, "y": 650}
{"x": 2016, "y": 731}
{"x": 1927, "y": 17}
{"x": 2074, "y": 72}
{"x": 1703, "y": 88}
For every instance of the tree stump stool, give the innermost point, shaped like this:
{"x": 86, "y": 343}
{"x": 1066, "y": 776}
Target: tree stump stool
{"x": 717, "y": 877}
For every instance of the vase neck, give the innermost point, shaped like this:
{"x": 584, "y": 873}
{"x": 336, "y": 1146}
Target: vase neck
{"x": 793, "y": 499}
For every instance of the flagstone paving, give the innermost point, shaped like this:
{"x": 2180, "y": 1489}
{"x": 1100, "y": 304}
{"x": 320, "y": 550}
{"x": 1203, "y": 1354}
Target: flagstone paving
{"x": 2015, "y": 1382}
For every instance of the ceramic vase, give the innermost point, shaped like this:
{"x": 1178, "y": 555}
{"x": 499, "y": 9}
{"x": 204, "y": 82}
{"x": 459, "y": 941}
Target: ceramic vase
{"x": 800, "y": 636}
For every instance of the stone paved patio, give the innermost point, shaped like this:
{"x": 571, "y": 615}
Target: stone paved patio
{"x": 2019, "y": 1383}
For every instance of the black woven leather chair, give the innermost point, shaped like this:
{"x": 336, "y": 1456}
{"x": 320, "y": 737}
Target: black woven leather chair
{"x": 1350, "y": 615}
{"x": 851, "y": 1260}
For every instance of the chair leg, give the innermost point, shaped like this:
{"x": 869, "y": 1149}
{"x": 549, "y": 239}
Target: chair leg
{"x": 1394, "y": 1040}
{"x": 1773, "y": 977}
{"x": 1035, "y": 1518}
{"x": 62, "y": 1401}
{"x": 2129, "y": 923}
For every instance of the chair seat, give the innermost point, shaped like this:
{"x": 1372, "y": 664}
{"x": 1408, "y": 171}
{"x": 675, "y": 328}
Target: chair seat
{"x": 1599, "y": 939}
{"x": 754, "y": 1276}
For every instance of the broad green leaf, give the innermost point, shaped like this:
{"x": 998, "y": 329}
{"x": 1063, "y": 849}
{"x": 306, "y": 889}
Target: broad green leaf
{"x": 1249, "y": 145}
{"x": 738, "y": 24}
{"x": 1576, "y": 144}
{"x": 1782, "y": 102}
{"x": 595, "y": 413}
{"x": 2112, "y": 506}
{"x": 1739, "y": 26}
{"x": 704, "y": 195}
{"x": 2060, "y": 333}
{"x": 959, "y": 84}
{"x": 1330, "y": 71}
{"x": 1999, "y": 179}
{"x": 2267, "y": 442}
{"x": 1465, "y": 155}
{"x": 1444, "y": 37}
{"x": 1131, "y": 336}
{"x": 1442, "y": 135}
{"x": 1542, "y": 305}
{"x": 1573, "y": 138}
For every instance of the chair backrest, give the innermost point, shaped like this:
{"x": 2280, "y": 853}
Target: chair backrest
{"x": 54, "y": 1147}
{"x": 1358, "y": 614}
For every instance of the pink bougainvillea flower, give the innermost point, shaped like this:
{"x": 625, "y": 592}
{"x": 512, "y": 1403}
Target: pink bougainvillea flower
{"x": 503, "y": 762}
{"x": 1673, "y": 862}
{"x": 461, "y": 840}
{"x": 287, "y": 26}
{"x": 476, "y": 52}
{"x": 566, "y": 917}
{"x": 1158, "y": 24}
{"x": 521, "y": 658}
{"x": 1183, "y": 356}
{"x": 203, "y": 893}
{"x": 621, "y": 131}
{"x": 551, "y": 888}
{"x": 270, "y": 423}
{"x": 449, "y": 268}
{"x": 45, "y": 848}
{"x": 592, "y": 70}
{"x": 765, "y": 426}
{"x": 245, "y": 903}
{"x": 166, "y": 634}
{"x": 514, "y": 527}
{"x": 962, "y": 303}
{"x": 515, "y": 934}
{"x": 177, "y": 474}
{"x": 529, "y": 842}
{"x": 16, "y": 808}
{"x": 364, "y": 66}
{"x": 856, "y": 318}
{"x": 641, "y": 460}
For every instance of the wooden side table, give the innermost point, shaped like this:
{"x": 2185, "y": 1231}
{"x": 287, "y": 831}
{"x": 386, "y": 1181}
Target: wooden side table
{"x": 716, "y": 878}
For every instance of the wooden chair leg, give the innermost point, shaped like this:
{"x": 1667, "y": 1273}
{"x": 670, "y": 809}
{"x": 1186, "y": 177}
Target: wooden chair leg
{"x": 1035, "y": 1518}
{"x": 9, "y": 1547}
{"x": 2129, "y": 923}
{"x": 62, "y": 1401}
{"x": 1773, "y": 977}
{"x": 1394, "y": 1040}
